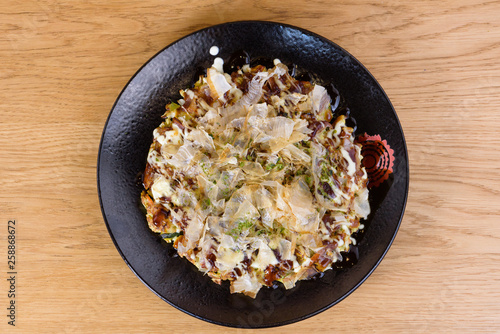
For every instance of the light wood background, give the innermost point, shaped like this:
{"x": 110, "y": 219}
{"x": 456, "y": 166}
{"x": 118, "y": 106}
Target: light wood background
{"x": 63, "y": 64}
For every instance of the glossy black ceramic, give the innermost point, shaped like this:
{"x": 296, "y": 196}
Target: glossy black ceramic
{"x": 128, "y": 134}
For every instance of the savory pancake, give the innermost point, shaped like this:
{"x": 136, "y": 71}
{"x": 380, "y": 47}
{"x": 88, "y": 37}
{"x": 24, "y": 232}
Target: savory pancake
{"x": 253, "y": 180}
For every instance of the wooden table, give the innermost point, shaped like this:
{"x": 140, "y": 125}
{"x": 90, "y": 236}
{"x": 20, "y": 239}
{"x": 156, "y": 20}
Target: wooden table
{"x": 63, "y": 64}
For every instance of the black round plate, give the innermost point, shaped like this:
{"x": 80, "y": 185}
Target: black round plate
{"x": 127, "y": 136}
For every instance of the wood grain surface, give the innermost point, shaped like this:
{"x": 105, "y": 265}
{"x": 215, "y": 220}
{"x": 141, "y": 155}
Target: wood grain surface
{"x": 63, "y": 64}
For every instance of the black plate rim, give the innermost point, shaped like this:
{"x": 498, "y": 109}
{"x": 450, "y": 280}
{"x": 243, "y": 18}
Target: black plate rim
{"x": 362, "y": 280}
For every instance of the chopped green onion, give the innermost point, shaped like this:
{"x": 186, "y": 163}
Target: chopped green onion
{"x": 173, "y": 106}
{"x": 171, "y": 235}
